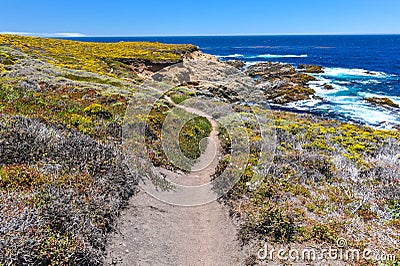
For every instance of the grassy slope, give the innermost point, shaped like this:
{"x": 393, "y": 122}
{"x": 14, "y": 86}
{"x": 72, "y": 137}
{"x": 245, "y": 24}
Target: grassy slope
{"x": 62, "y": 178}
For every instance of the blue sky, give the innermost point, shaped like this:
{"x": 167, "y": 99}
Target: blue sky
{"x": 201, "y": 17}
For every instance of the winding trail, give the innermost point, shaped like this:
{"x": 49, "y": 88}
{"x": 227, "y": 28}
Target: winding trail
{"x": 155, "y": 233}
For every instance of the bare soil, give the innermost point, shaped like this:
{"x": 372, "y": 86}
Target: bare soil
{"x": 151, "y": 232}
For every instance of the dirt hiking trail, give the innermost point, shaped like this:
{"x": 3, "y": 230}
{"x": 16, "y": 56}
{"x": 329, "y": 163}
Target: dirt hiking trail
{"x": 151, "y": 232}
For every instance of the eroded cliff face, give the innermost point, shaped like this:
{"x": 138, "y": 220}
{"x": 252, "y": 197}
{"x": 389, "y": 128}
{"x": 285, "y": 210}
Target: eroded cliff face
{"x": 147, "y": 67}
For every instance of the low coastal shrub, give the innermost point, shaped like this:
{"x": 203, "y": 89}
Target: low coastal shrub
{"x": 328, "y": 180}
{"x": 190, "y": 135}
{"x": 60, "y": 193}
{"x": 63, "y": 180}
{"x": 89, "y": 111}
{"x": 82, "y": 123}
{"x": 91, "y": 79}
{"x": 394, "y": 207}
{"x": 6, "y": 59}
{"x": 271, "y": 222}
{"x": 180, "y": 94}
{"x": 97, "y": 110}
{"x": 20, "y": 177}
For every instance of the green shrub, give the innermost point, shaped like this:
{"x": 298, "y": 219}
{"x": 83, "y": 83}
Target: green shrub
{"x": 191, "y": 134}
{"x": 83, "y": 124}
{"x": 97, "y": 110}
{"x": 91, "y": 79}
{"x": 21, "y": 177}
{"x": 394, "y": 207}
{"x": 324, "y": 232}
{"x": 274, "y": 223}
{"x": 6, "y": 59}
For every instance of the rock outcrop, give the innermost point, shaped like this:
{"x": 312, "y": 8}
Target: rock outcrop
{"x": 146, "y": 68}
{"x": 328, "y": 87}
{"x": 236, "y": 63}
{"x": 310, "y": 69}
{"x": 268, "y": 70}
{"x": 281, "y": 83}
{"x": 214, "y": 80}
{"x": 384, "y": 102}
{"x": 198, "y": 55}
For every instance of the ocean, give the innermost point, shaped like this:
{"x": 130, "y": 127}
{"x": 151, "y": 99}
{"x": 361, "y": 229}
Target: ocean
{"x": 356, "y": 66}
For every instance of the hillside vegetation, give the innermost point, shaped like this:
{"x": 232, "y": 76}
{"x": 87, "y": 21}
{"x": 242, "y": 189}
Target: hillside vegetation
{"x": 101, "y": 58}
{"x": 327, "y": 181}
{"x": 62, "y": 177}
{"x": 63, "y": 181}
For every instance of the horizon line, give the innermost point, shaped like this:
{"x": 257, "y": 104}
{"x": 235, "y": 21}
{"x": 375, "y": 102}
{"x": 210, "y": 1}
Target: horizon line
{"x": 81, "y": 35}
{"x": 234, "y": 35}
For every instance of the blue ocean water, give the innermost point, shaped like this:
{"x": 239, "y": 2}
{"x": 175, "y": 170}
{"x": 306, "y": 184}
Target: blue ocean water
{"x": 356, "y": 66}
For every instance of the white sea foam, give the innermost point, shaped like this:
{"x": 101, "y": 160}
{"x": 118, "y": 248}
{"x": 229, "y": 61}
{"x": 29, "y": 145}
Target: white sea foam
{"x": 352, "y": 108}
{"x": 302, "y": 105}
{"x": 281, "y": 56}
{"x": 318, "y": 87}
{"x": 257, "y": 62}
{"x": 320, "y": 81}
{"x": 395, "y": 99}
{"x": 370, "y": 95}
{"x": 367, "y": 82}
{"x": 342, "y": 82}
{"x": 230, "y": 56}
{"x": 369, "y": 114}
{"x": 344, "y": 100}
{"x": 353, "y": 72}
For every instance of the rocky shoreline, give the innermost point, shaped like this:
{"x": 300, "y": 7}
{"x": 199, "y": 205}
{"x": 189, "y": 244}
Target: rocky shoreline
{"x": 282, "y": 84}
{"x": 277, "y": 83}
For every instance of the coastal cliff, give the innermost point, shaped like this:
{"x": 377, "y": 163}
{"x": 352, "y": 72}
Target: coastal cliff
{"x": 64, "y": 182}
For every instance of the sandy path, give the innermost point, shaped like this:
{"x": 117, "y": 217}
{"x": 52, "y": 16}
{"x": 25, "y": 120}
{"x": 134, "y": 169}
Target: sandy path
{"x": 155, "y": 233}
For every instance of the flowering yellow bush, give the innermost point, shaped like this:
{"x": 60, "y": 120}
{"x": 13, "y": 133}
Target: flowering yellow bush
{"x": 92, "y": 56}
{"x": 84, "y": 124}
{"x": 98, "y": 110}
